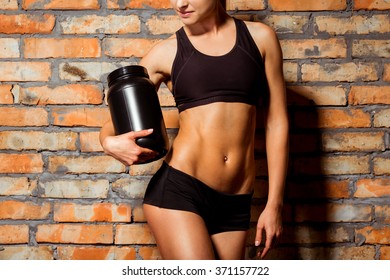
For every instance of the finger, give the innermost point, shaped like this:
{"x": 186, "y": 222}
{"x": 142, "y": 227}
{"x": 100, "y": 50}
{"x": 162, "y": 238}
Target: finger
{"x": 268, "y": 245}
{"x": 264, "y": 252}
{"x": 259, "y": 235}
{"x": 141, "y": 133}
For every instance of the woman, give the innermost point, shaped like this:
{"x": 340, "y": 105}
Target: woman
{"x": 220, "y": 70}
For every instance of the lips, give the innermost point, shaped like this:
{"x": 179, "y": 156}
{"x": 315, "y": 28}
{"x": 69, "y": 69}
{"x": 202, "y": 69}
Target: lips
{"x": 184, "y": 14}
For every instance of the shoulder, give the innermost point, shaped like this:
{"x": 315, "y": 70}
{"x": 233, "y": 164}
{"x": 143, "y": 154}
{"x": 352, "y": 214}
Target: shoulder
{"x": 264, "y": 36}
{"x": 163, "y": 50}
{"x": 165, "y": 46}
{"x": 159, "y": 59}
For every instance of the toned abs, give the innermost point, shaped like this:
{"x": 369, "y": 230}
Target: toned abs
{"x": 215, "y": 145}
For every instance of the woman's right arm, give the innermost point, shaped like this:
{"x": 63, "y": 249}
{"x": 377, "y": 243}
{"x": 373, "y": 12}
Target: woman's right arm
{"x": 123, "y": 147}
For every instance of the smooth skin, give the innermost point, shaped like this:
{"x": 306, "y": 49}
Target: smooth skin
{"x": 215, "y": 142}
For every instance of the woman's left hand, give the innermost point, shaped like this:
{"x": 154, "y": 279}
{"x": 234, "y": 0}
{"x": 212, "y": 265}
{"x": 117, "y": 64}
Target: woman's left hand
{"x": 270, "y": 223}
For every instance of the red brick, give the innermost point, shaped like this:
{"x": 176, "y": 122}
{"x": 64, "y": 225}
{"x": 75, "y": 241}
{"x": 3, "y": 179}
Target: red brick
{"x": 150, "y": 253}
{"x": 9, "y": 4}
{"x": 87, "y": 71}
{"x": 315, "y": 234}
{"x": 61, "y": 5}
{"x": 371, "y": 5}
{"x": 145, "y": 169}
{"x": 381, "y": 166}
{"x": 245, "y": 5}
{"x": 366, "y": 188}
{"x": 89, "y": 142}
{"x": 24, "y": 71}
{"x": 9, "y": 48}
{"x": 163, "y": 25}
{"x": 133, "y": 188}
{"x": 333, "y": 212}
{"x": 96, "y": 253}
{"x": 165, "y": 97}
{"x": 358, "y": 24}
{"x": 123, "y": 47}
{"x": 363, "y": 95}
{"x": 27, "y": 24}
{"x": 23, "y": 117}
{"x": 75, "y": 233}
{"x": 307, "y": 5}
{"x": 333, "y": 165}
{"x": 386, "y": 73}
{"x": 371, "y": 48}
{"x": 27, "y": 253}
{"x": 138, "y": 215}
{"x": 82, "y": 189}
{"x": 287, "y": 24}
{"x": 18, "y": 210}
{"x": 318, "y": 189}
{"x": 323, "y": 253}
{"x": 304, "y": 143}
{"x": 382, "y": 213}
{"x": 13, "y": 234}
{"x": 134, "y": 234}
{"x": 95, "y": 24}
{"x": 342, "y": 72}
{"x": 333, "y": 118}
{"x": 90, "y": 117}
{"x": 37, "y": 140}
{"x": 97, "y": 212}
{"x": 261, "y": 167}
{"x": 84, "y": 164}
{"x": 139, "y": 4}
{"x": 66, "y": 94}
{"x": 384, "y": 253}
{"x": 353, "y": 141}
{"x": 17, "y": 186}
{"x": 62, "y": 48}
{"x": 316, "y": 95}
{"x": 6, "y": 96}
{"x": 260, "y": 188}
{"x": 290, "y": 72}
{"x": 373, "y": 235}
{"x": 21, "y": 163}
{"x": 314, "y": 48}
{"x": 382, "y": 118}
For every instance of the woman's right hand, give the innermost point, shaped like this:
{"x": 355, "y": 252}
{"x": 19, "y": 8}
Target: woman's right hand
{"x": 124, "y": 148}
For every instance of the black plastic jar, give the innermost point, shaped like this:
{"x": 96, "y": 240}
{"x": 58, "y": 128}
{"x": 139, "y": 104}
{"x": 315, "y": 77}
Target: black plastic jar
{"x": 134, "y": 106}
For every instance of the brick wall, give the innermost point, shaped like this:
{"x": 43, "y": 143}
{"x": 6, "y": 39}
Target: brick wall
{"x": 62, "y": 198}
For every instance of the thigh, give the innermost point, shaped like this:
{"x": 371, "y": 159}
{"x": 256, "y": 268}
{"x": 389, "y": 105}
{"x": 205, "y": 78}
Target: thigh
{"x": 179, "y": 234}
{"x": 230, "y": 245}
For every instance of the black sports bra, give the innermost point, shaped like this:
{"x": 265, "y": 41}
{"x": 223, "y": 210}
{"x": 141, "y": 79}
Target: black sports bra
{"x": 199, "y": 79}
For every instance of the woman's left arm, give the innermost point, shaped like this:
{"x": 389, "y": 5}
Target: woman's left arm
{"x": 276, "y": 129}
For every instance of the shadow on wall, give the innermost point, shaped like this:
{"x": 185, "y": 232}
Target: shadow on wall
{"x": 305, "y": 212}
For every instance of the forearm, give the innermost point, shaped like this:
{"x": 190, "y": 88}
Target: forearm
{"x": 106, "y": 130}
{"x": 277, "y": 160}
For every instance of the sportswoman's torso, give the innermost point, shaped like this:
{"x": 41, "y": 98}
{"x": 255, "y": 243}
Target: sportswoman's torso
{"x": 215, "y": 141}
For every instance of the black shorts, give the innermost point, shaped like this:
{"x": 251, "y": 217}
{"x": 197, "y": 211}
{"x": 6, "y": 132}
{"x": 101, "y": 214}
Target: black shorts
{"x": 173, "y": 189}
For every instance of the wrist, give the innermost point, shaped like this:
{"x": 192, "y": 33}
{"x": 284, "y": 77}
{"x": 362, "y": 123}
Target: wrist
{"x": 106, "y": 144}
{"x": 275, "y": 205}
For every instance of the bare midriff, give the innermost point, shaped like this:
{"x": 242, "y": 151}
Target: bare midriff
{"x": 215, "y": 144}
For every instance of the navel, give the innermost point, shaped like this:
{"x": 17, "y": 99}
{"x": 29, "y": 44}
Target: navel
{"x": 225, "y": 159}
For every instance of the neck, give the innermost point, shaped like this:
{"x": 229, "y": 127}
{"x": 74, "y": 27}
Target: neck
{"x": 212, "y": 23}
